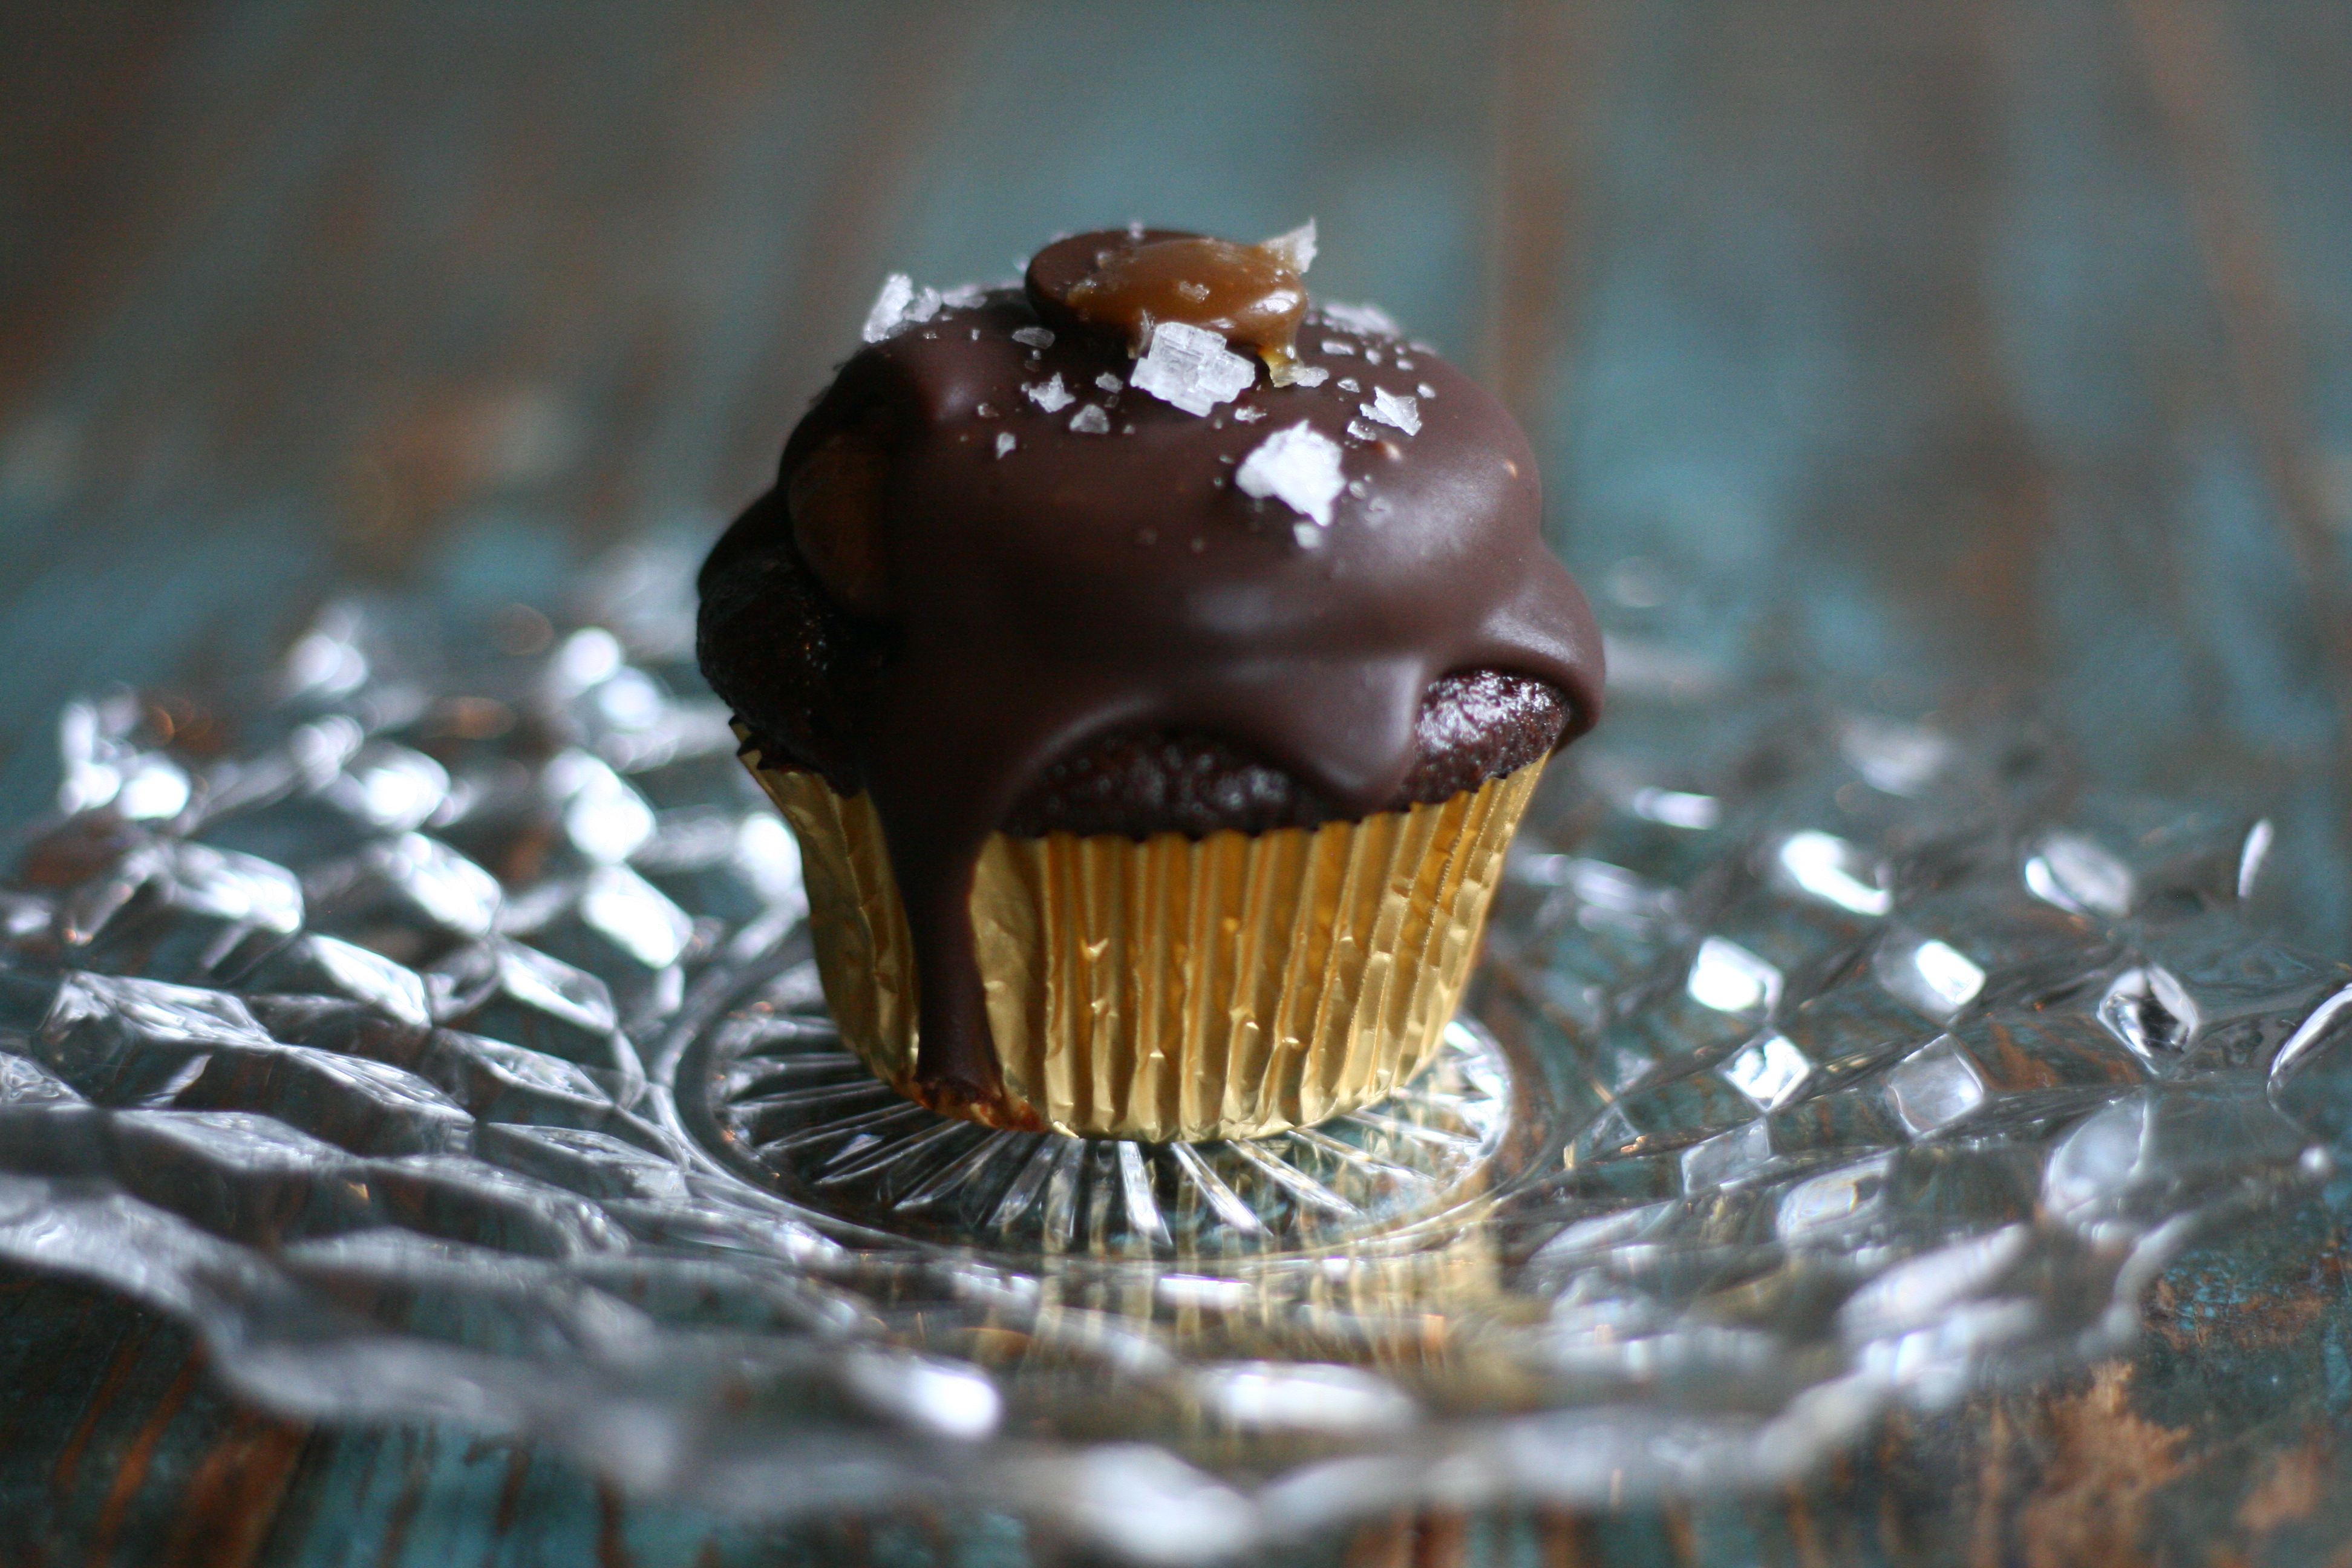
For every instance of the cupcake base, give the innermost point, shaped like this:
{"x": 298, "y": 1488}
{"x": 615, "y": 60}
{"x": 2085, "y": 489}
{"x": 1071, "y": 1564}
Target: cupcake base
{"x": 1172, "y": 989}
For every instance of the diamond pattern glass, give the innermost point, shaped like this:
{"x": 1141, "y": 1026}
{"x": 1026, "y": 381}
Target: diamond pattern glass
{"x": 449, "y": 1045}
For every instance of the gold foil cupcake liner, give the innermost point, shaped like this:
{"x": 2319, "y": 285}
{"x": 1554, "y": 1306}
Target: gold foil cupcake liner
{"x": 1174, "y": 988}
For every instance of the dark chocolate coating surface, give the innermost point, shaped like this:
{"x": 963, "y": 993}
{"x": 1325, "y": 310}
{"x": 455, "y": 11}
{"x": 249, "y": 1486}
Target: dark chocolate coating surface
{"x": 1018, "y": 605}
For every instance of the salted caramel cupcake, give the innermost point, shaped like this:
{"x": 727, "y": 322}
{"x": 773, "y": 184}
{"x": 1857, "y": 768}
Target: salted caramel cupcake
{"x": 1153, "y": 666}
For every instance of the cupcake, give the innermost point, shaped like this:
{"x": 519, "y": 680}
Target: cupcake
{"x": 1154, "y": 666}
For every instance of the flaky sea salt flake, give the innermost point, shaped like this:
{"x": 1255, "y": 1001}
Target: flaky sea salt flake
{"x": 1050, "y": 395}
{"x": 1090, "y": 421}
{"x": 1363, "y": 432}
{"x": 1427, "y": 390}
{"x": 1338, "y": 346}
{"x": 889, "y": 310}
{"x": 1296, "y": 250}
{"x": 1367, "y": 319}
{"x": 1309, "y": 376}
{"x": 1006, "y": 442}
{"x": 1297, "y": 466}
{"x": 1349, "y": 384}
{"x": 1109, "y": 382}
{"x": 1192, "y": 368}
{"x": 1388, "y": 408}
{"x": 1035, "y": 337}
{"x": 1248, "y": 416}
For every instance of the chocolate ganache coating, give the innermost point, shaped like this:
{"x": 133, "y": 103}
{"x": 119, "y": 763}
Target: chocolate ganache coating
{"x": 997, "y": 587}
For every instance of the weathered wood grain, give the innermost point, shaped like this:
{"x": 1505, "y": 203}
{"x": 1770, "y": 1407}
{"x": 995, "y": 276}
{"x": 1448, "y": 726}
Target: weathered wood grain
{"x": 1959, "y": 350}
{"x": 114, "y": 1445}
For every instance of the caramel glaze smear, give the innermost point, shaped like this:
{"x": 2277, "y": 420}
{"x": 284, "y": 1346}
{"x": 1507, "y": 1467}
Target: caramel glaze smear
{"x": 924, "y": 610}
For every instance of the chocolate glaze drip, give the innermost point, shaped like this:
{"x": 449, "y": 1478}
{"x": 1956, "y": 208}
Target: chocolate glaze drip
{"x": 1007, "y": 605}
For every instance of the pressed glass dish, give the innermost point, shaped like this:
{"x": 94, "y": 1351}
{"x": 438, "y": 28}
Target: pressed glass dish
{"x": 446, "y": 1043}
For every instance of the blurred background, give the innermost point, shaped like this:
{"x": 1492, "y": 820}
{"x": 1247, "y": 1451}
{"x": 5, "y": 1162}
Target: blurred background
{"x": 1969, "y": 356}
{"x": 1972, "y": 351}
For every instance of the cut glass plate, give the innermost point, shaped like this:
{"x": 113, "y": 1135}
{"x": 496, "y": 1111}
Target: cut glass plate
{"x": 447, "y": 1046}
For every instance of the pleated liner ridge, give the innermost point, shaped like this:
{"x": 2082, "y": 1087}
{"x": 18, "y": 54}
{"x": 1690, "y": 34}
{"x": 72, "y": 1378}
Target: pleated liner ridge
{"x": 1176, "y": 989}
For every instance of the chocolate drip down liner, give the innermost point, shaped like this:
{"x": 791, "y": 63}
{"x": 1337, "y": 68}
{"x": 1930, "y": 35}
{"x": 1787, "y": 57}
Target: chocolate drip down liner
{"x": 1173, "y": 988}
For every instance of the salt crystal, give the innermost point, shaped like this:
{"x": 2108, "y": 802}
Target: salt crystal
{"x": 896, "y": 291}
{"x": 1361, "y": 431}
{"x": 1090, "y": 421}
{"x": 1358, "y": 489}
{"x": 1349, "y": 384}
{"x": 1388, "y": 408}
{"x": 1368, "y": 319}
{"x": 1427, "y": 390}
{"x": 892, "y": 308}
{"x": 1299, "y": 466}
{"x": 1035, "y": 337}
{"x": 1309, "y": 376}
{"x": 1191, "y": 367}
{"x": 985, "y": 410}
{"x": 1371, "y": 354}
{"x": 1109, "y": 381}
{"x": 975, "y": 335}
{"x": 1050, "y": 395}
{"x": 1296, "y": 250}
{"x": 1309, "y": 537}
{"x": 1338, "y": 346}
{"x": 1248, "y": 416}
{"x": 964, "y": 295}
{"x": 1402, "y": 362}
{"x": 1004, "y": 442}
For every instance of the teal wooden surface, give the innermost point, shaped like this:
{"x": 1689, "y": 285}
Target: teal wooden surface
{"x": 1969, "y": 352}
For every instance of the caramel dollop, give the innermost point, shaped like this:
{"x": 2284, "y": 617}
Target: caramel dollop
{"x": 1130, "y": 283}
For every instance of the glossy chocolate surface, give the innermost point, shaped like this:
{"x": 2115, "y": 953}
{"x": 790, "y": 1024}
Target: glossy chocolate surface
{"x": 1013, "y": 561}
